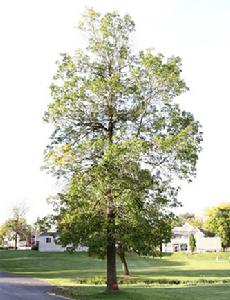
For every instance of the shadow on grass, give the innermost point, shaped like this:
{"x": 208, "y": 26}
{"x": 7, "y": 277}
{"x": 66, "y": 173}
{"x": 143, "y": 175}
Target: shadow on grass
{"x": 220, "y": 292}
{"x": 141, "y": 275}
{"x": 79, "y": 267}
{"x": 59, "y": 265}
{"x": 185, "y": 273}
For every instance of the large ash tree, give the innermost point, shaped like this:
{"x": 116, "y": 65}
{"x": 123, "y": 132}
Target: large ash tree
{"x": 119, "y": 141}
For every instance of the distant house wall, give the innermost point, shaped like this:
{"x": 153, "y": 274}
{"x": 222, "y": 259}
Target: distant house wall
{"x": 81, "y": 248}
{"x": 208, "y": 244}
{"x": 176, "y": 245}
{"x": 180, "y": 240}
{"x": 47, "y": 242}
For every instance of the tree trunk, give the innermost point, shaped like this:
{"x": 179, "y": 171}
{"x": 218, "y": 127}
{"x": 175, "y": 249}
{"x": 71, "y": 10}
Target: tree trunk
{"x": 111, "y": 248}
{"x": 16, "y": 241}
{"x": 124, "y": 264}
{"x": 161, "y": 248}
{"x": 111, "y": 242}
{"x": 111, "y": 267}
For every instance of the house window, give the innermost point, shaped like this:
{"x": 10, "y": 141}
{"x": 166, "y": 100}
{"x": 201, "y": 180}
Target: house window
{"x": 175, "y": 247}
{"x": 48, "y": 240}
{"x": 183, "y": 247}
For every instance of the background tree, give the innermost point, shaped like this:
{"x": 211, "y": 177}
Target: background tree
{"x": 4, "y": 233}
{"x": 189, "y": 218}
{"x": 197, "y": 222}
{"x": 43, "y": 224}
{"x": 17, "y": 224}
{"x": 115, "y": 122}
{"x": 192, "y": 242}
{"x": 218, "y": 222}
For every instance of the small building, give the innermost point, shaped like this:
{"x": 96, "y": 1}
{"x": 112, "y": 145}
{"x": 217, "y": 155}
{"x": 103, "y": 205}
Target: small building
{"x": 48, "y": 242}
{"x": 180, "y": 240}
{"x": 209, "y": 244}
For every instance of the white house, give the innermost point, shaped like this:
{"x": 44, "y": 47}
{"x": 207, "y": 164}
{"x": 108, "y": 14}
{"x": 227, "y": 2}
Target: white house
{"x": 48, "y": 242}
{"x": 180, "y": 240}
{"x": 209, "y": 244}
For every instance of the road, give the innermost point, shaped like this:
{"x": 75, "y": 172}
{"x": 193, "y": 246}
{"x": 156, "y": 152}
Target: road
{"x": 21, "y": 288}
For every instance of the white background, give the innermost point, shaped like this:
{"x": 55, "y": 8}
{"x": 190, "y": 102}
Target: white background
{"x": 34, "y": 32}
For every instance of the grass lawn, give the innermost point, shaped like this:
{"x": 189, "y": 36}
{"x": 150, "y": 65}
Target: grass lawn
{"x": 152, "y": 293}
{"x": 176, "y": 276}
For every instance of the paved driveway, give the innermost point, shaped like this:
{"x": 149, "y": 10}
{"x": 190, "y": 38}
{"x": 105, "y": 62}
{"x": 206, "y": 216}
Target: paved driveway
{"x": 21, "y": 288}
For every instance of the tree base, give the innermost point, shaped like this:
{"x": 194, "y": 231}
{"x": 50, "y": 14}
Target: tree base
{"x": 112, "y": 289}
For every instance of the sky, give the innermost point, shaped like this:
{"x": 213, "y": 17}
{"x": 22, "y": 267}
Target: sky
{"x": 32, "y": 35}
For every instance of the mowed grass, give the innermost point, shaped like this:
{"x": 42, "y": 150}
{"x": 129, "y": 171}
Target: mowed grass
{"x": 151, "y": 293}
{"x": 176, "y": 276}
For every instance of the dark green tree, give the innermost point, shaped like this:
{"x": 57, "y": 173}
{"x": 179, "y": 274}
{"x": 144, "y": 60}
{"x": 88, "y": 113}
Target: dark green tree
{"x": 142, "y": 221}
{"x": 119, "y": 140}
{"x": 192, "y": 242}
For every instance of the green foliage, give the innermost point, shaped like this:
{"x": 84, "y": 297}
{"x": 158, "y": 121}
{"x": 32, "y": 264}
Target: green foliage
{"x": 98, "y": 86}
{"x": 16, "y": 226}
{"x": 4, "y": 232}
{"x": 218, "y": 222}
{"x": 196, "y": 222}
{"x": 119, "y": 140}
{"x": 190, "y": 218}
{"x": 43, "y": 224}
{"x": 192, "y": 242}
{"x": 142, "y": 223}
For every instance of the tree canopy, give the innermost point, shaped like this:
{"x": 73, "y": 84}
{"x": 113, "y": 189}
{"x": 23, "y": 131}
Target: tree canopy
{"x": 16, "y": 226}
{"x": 218, "y": 222}
{"x": 190, "y": 218}
{"x": 120, "y": 141}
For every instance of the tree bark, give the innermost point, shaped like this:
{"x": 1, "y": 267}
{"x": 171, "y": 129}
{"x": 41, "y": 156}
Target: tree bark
{"x": 161, "y": 247}
{"x": 16, "y": 241}
{"x": 124, "y": 264}
{"x": 111, "y": 267}
{"x": 111, "y": 242}
{"x": 111, "y": 248}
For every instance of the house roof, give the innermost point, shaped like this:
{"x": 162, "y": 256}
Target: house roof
{"x": 185, "y": 229}
{"x": 54, "y": 234}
